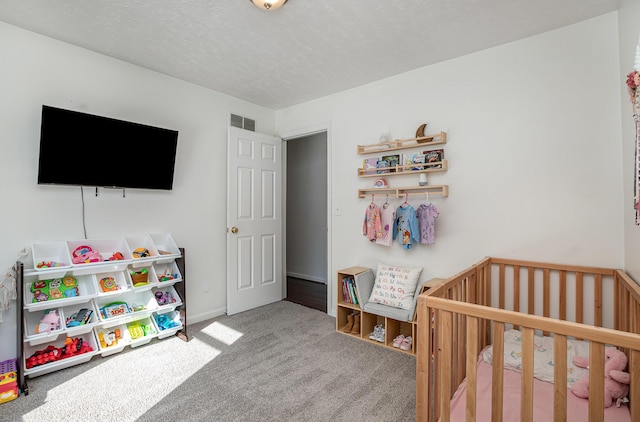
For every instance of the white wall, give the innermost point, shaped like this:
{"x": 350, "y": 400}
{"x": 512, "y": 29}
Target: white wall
{"x": 37, "y": 70}
{"x": 533, "y": 147}
{"x": 629, "y": 30}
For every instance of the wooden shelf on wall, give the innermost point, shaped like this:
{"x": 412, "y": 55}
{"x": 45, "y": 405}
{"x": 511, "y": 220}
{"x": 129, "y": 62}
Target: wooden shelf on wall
{"x": 407, "y": 169}
{"x": 425, "y": 141}
{"x": 409, "y": 190}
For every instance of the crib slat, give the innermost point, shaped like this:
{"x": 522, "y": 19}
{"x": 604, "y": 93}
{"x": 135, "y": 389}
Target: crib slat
{"x": 560, "y": 378}
{"x": 472, "y": 362}
{"x": 634, "y": 386}
{"x": 546, "y": 296}
{"x": 563, "y": 296}
{"x": 597, "y": 301}
{"x": 445, "y": 365}
{"x": 501, "y": 286}
{"x": 526, "y": 389}
{"x": 497, "y": 380}
{"x": 596, "y": 382}
{"x": 531, "y": 292}
{"x": 516, "y": 291}
{"x": 579, "y": 298}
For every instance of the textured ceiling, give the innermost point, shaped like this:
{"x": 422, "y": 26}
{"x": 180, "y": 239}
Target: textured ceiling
{"x": 305, "y": 50}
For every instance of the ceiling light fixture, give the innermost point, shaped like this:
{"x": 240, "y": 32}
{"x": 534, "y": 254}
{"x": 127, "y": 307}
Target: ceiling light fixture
{"x": 268, "y": 4}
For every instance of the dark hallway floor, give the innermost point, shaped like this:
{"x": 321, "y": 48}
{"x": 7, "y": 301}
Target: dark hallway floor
{"x": 307, "y": 293}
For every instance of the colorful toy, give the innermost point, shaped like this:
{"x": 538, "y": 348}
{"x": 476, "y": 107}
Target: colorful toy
{"x": 85, "y": 254}
{"x": 49, "y": 322}
{"x": 616, "y": 381}
{"x": 8, "y": 381}
{"x": 140, "y": 278}
{"x": 109, "y": 338}
{"x": 141, "y": 253}
{"x": 56, "y": 288}
{"x": 117, "y": 256}
{"x": 108, "y": 284}
{"x": 114, "y": 309}
{"x": 82, "y": 317}
{"x": 165, "y": 323}
{"x": 164, "y": 298}
{"x": 71, "y": 348}
{"x": 166, "y": 276}
{"x": 49, "y": 264}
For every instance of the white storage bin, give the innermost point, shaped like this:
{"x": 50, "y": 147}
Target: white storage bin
{"x": 50, "y": 256}
{"x": 111, "y": 283}
{"x": 43, "y": 326}
{"x": 139, "y": 247}
{"x": 134, "y": 272}
{"x": 167, "y": 299}
{"x": 99, "y": 252}
{"x": 112, "y": 340}
{"x": 125, "y": 307}
{"x": 91, "y": 348}
{"x": 80, "y": 319}
{"x": 167, "y": 274}
{"x": 141, "y": 331}
{"x": 166, "y": 247}
{"x": 168, "y": 324}
{"x": 40, "y": 295}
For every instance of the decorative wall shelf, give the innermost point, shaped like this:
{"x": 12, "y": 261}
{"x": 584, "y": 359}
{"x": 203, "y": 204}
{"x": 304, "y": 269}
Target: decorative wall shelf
{"x": 425, "y": 141}
{"x": 409, "y": 190}
{"x": 433, "y": 167}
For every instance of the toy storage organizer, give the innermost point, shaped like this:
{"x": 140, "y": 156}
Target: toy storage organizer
{"x": 96, "y": 297}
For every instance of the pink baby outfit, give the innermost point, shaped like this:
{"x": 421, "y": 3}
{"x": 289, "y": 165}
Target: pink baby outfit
{"x": 372, "y": 226}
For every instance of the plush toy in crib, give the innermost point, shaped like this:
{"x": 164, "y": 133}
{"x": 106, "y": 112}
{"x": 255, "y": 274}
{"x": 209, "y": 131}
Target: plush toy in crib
{"x": 616, "y": 381}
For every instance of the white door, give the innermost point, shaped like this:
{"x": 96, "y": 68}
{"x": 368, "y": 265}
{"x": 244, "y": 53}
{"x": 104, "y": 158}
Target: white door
{"x": 254, "y": 220}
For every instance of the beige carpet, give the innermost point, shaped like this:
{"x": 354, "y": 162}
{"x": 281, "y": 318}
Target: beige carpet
{"x": 279, "y": 362}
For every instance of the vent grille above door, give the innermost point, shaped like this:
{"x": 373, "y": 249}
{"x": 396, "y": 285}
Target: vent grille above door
{"x": 243, "y": 122}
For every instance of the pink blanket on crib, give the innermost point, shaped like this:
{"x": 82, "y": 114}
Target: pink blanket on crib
{"x": 577, "y": 408}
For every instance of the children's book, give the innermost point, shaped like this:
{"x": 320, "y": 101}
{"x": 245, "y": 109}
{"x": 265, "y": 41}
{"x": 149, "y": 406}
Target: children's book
{"x": 434, "y": 156}
{"x": 393, "y": 161}
{"x": 370, "y": 165}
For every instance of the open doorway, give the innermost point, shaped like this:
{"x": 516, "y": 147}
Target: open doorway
{"x": 306, "y": 220}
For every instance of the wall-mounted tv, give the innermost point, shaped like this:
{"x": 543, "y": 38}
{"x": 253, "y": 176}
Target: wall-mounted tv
{"x": 87, "y": 150}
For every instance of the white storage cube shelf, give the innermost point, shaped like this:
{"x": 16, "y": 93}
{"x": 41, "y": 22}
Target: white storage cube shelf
{"x": 167, "y": 299}
{"x": 112, "y": 283}
{"x": 141, "y": 246}
{"x": 168, "y": 323}
{"x": 56, "y": 365}
{"x": 80, "y": 305}
{"x": 57, "y": 292}
{"x": 114, "y": 310}
{"x": 74, "y": 320}
{"x": 167, "y": 249}
{"x": 103, "y": 251}
{"x": 50, "y": 256}
{"x": 167, "y": 273}
{"x": 43, "y": 326}
{"x": 134, "y": 333}
{"x": 152, "y": 279}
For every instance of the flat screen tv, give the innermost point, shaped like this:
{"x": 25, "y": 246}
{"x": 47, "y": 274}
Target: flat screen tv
{"x": 87, "y": 150}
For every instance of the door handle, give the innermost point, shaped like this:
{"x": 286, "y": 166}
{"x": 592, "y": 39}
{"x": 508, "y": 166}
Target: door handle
{"x": 234, "y": 230}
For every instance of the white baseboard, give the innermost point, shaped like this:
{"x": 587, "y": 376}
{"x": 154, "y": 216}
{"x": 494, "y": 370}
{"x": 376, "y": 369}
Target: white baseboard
{"x": 193, "y": 319}
{"x": 306, "y": 277}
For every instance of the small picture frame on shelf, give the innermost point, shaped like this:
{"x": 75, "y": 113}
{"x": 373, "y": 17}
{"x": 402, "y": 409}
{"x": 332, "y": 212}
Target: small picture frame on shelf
{"x": 434, "y": 156}
{"x": 393, "y": 160}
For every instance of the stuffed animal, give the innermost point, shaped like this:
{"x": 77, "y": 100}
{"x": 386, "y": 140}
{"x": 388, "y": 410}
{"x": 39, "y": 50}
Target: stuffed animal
{"x": 616, "y": 381}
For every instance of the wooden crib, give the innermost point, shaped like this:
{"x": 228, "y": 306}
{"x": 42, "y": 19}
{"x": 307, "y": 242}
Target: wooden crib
{"x": 471, "y": 310}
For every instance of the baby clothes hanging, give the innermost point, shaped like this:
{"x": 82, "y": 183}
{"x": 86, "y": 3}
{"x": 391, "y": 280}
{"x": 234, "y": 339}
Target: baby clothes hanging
{"x": 387, "y": 215}
{"x": 427, "y": 214}
{"x": 372, "y": 226}
{"x": 405, "y": 226}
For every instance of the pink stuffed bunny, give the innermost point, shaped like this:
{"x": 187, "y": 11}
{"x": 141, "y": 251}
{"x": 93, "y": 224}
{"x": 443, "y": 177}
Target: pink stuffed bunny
{"x": 616, "y": 381}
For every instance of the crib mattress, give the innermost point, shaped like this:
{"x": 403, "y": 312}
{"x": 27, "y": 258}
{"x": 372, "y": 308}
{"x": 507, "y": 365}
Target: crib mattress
{"x": 577, "y": 408}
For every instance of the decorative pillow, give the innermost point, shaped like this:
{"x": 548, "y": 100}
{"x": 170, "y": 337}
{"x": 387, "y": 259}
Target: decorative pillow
{"x": 395, "y": 286}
